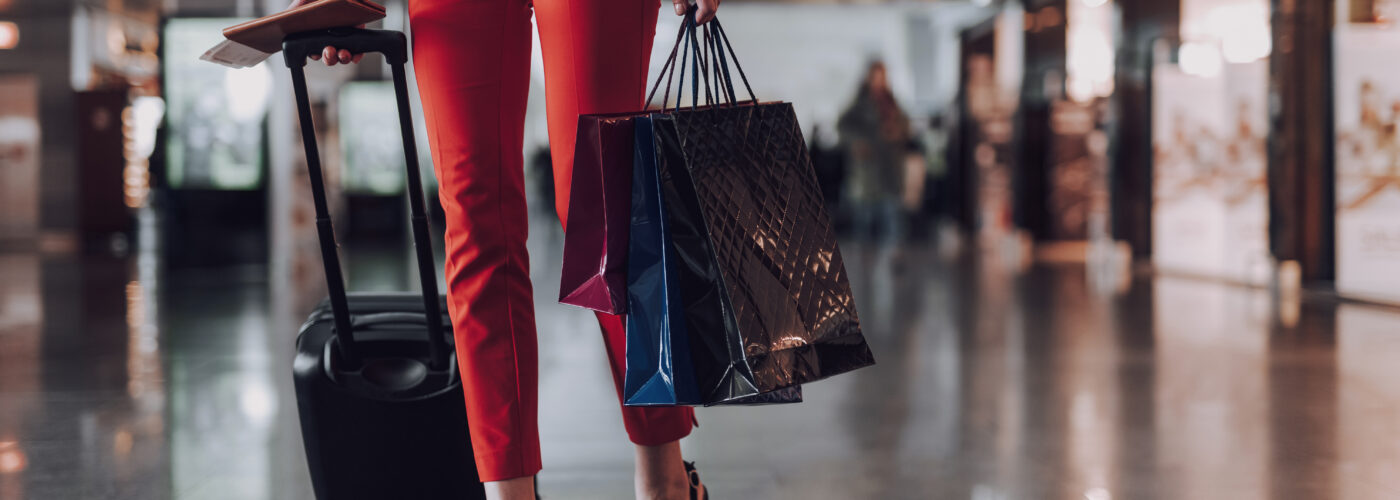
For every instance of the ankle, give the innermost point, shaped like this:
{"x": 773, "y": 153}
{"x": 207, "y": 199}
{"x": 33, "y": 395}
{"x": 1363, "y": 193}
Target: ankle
{"x": 663, "y": 488}
{"x": 661, "y": 473}
{"x": 519, "y": 488}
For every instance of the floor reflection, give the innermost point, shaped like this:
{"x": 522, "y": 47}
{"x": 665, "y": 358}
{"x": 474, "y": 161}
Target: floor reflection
{"x": 1368, "y": 398}
{"x": 118, "y": 380}
{"x": 1211, "y": 349}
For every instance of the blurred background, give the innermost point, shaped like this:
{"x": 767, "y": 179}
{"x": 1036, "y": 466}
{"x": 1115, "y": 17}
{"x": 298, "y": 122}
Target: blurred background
{"x": 1102, "y": 249}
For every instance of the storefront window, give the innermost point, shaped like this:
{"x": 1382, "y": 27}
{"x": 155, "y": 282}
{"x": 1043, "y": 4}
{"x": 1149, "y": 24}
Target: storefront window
{"x": 1090, "y": 49}
{"x": 1210, "y": 123}
{"x": 374, "y": 159}
{"x": 1367, "y": 115}
{"x": 217, "y": 115}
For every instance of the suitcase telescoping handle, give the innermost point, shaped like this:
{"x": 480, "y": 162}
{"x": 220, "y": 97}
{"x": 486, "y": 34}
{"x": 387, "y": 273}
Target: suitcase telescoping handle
{"x": 394, "y": 46}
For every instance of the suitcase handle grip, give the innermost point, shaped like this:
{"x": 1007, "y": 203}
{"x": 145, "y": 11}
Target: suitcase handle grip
{"x": 298, "y": 46}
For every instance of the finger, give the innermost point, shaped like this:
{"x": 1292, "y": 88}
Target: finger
{"x": 329, "y": 54}
{"x": 707, "y": 10}
{"x": 345, "y": 56}
{"x": 358, "y": 57}
{"x": 680, "y": 6}
{"x": 316, "y": 56}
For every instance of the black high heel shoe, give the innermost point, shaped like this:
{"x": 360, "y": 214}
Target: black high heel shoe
{"x": 697, "y": 489}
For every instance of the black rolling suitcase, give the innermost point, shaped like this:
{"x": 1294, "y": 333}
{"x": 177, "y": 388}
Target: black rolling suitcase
{"x": 380, "y": 400}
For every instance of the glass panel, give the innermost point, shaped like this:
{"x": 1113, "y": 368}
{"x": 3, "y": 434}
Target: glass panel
{"x": 371, "y": 144}
{"x": 217, "y": 115}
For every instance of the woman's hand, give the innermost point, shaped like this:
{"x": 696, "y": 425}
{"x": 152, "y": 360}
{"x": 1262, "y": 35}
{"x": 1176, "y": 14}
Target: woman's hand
{"x": 330, "y": 55}
{"x": 703, "y": 14}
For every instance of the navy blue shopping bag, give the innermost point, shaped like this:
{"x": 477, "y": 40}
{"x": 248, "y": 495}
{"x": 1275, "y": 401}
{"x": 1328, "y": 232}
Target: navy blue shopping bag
{"x": 659, "y": 369}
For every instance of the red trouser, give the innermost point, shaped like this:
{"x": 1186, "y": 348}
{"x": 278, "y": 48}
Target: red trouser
{"x": 472, "y": 60}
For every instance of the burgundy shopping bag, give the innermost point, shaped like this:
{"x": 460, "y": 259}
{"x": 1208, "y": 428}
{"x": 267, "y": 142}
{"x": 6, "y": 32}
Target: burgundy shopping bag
{"x": 600, "y": 202}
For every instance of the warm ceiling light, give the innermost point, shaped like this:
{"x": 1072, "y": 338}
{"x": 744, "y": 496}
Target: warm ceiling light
{"x": 12, "y": 458}
{"x": 9, "y": 35}
{"x": 1200, "y": 59}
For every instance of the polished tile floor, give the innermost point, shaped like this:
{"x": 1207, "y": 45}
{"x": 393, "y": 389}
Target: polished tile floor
{"x": 120, "y": 381}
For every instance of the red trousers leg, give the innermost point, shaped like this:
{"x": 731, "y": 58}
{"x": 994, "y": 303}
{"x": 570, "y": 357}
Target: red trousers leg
{"x": 596, "y": 54}
{"x": 472, "y": 60}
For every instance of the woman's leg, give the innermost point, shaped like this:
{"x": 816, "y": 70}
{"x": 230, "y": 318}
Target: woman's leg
{"x": 472, "y": 61}
{"x": 595, "y": 61}
{"x": 596, "y": 54}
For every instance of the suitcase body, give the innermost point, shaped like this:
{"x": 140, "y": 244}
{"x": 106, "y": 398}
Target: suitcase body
{"x": 378, "y": 392}
{"x": 393, "y": 428}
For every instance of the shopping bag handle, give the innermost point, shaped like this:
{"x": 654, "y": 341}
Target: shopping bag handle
{"x": 691, "y": 49}
{"x": 706, "y": 60}
{"x": 724, "y": 87}
{"x": 666, "y": 68}
{"x": 722, "y": 44}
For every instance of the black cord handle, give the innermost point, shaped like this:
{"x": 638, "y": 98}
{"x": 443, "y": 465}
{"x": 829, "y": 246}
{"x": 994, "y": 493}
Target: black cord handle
{"x": 699, "y": 68}
{"x": 690, "y": 49}
{"x": 725, "y": 38}
{"x": 706, "y": 61}
{"x": 666, "y": 69}
{"x": 724, "y": 86}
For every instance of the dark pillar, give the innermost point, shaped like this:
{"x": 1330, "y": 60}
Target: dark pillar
{"x": 977, "y": 42}
{"x": 1144, "y": 22}
{"x": 1042, "y": 84}
{"x": 1301, "y": 206}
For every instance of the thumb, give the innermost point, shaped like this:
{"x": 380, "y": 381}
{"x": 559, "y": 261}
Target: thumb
{"x": 681, "y": 6}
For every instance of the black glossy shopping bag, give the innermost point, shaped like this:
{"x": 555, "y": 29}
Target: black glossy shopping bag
{"x": 765, "y": 288}
{"x": 661, "y": 363}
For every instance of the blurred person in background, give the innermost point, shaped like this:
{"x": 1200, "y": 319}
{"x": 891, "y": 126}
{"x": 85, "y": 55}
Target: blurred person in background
{"x": 472, "y": 62}
{"x": 875, "y": 134}
{"x": 934, "y": 144}
{"x": 911, "y": 196}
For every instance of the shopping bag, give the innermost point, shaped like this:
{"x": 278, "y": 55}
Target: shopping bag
{"x": 750, "y": 231}
{"x": 659, "y": 370}
{"x": 594, "y": 270}
{"x": 660, "y": 361}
